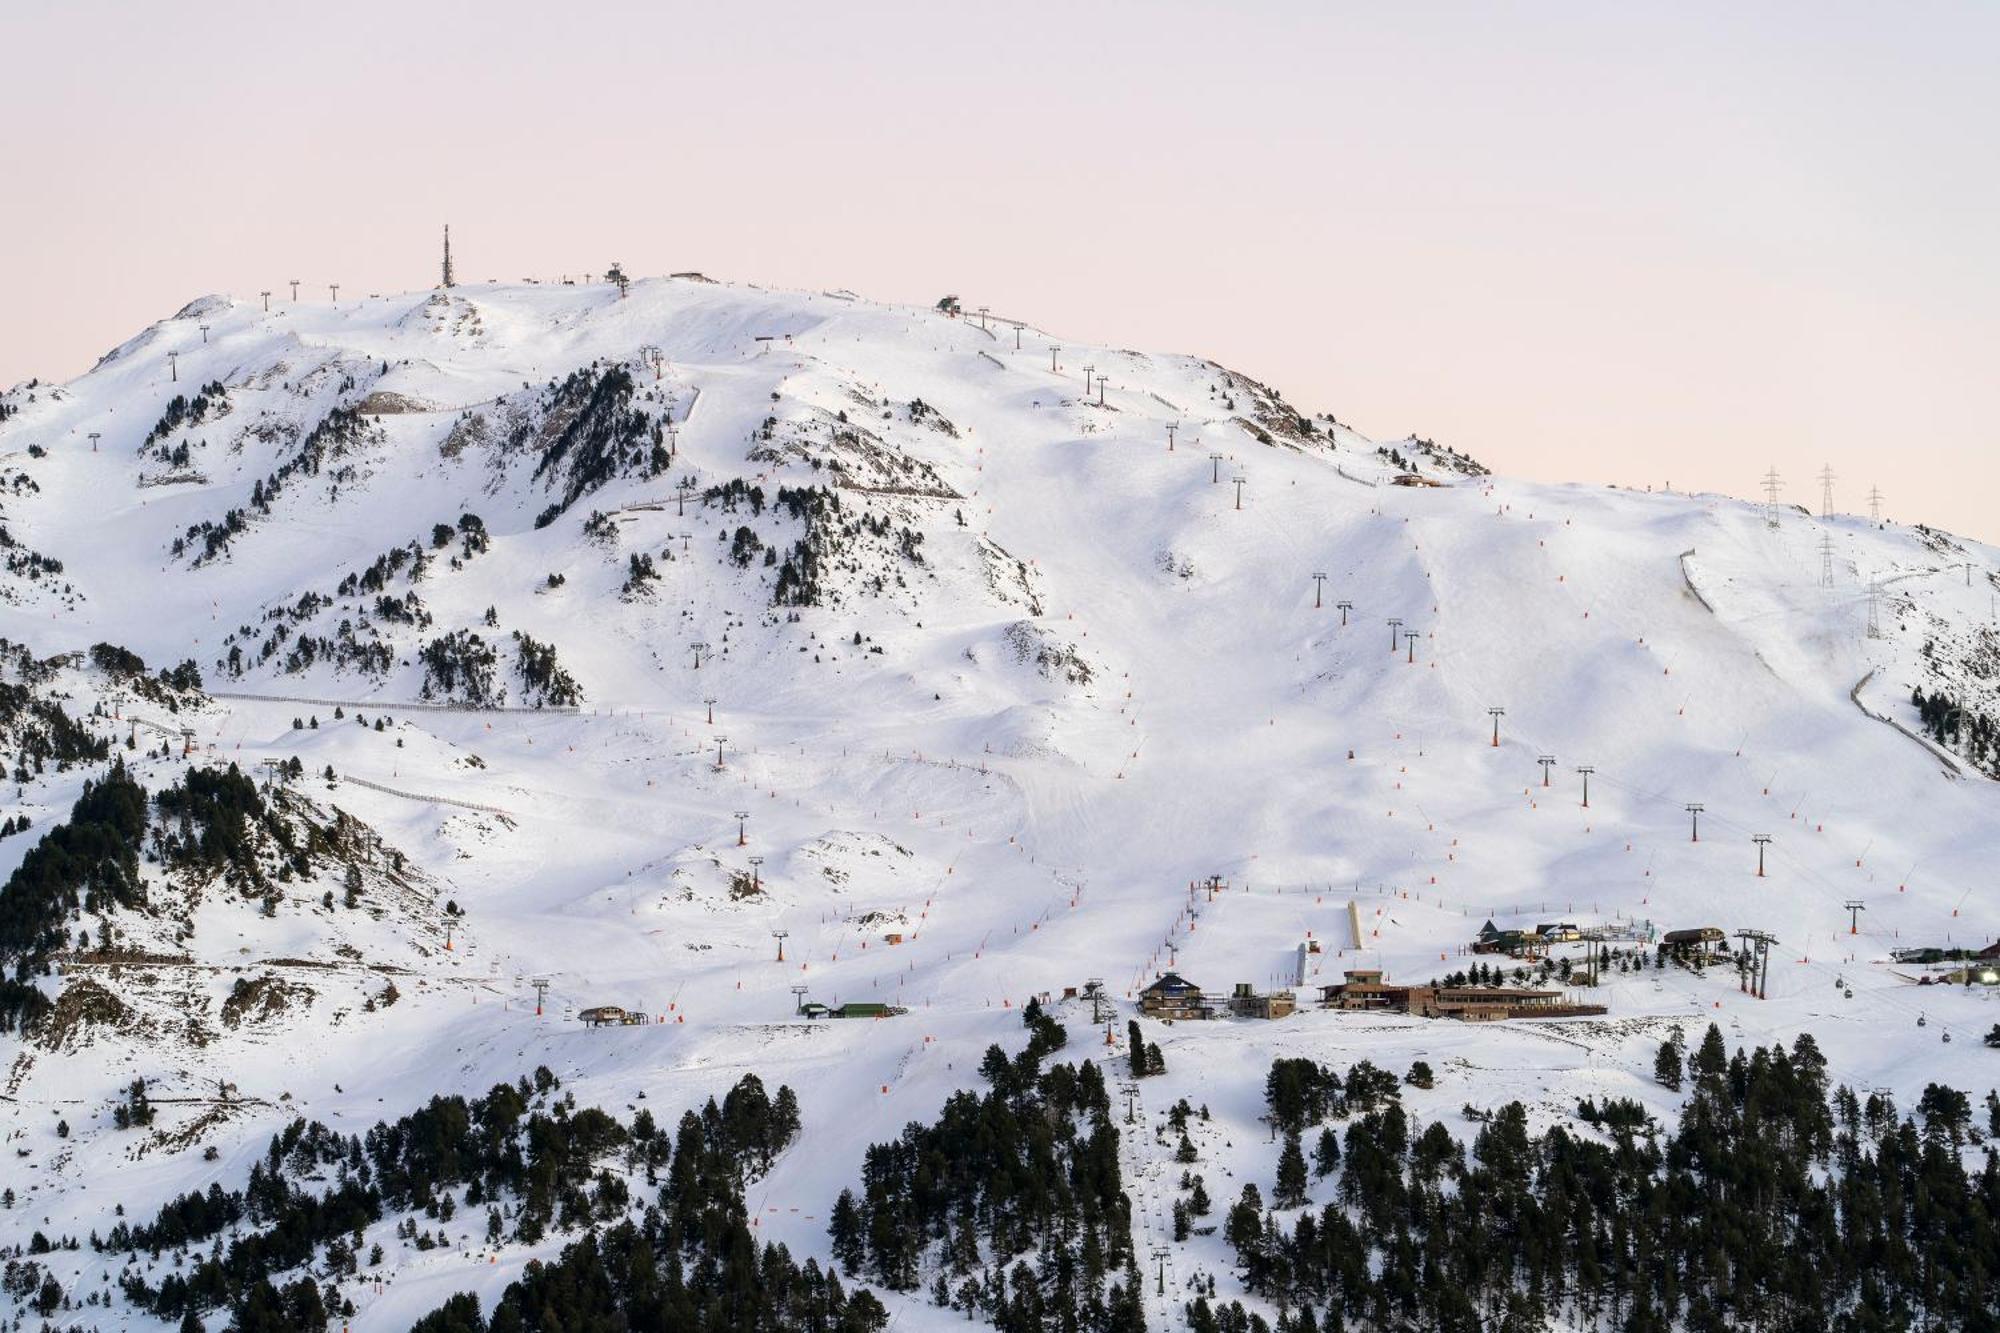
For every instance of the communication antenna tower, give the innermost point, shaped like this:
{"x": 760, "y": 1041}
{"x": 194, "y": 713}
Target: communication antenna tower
{"x": 449, "y": 278}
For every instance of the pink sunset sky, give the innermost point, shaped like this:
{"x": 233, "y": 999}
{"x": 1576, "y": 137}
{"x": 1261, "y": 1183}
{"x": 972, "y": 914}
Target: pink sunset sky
{"x": 1591, "y": 242}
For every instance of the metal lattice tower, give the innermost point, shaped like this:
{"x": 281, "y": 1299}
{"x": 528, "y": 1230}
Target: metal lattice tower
{"x": 1826, "y": 480}
{"x": 449, "y": 279}
{"x": 1874, "y": 607}
{"x": 1875, "y": 504}
{"x": 1772, "y": 481}
{"x": 1825, "y": 561}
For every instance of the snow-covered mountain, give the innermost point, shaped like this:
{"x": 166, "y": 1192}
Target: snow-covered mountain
{"x": 627, "y": 640}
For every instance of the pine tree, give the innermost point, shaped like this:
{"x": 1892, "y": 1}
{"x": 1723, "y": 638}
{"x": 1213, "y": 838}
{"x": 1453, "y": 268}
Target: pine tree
{"x": 844, "y": 1229}
{"x": 1667, "y": 1066}
{"x": 1712, "y": 1059}
{"x": 1326, "y": 1154}
{"x": 1290, "y": 1190}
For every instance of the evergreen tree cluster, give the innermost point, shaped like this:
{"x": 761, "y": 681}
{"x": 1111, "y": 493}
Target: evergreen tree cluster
{"x": 1951, "y": 724}
{"x": 460, "y": 665}
{"x": 1772, "y": 1204}
{"x": 356, "y": 642}
{"x": 521, "y": 1148}
{"x": 88, "y": 863}
{"x": 1026, "y": 1172}
{"x": 799, "y": 572}
{"x": 542, "y": 677}
{"x": 42, "y": 733}
{"x": 184, "y": 411}
{"x": 601, "y": 435}
{"x": 129, "y": 669}
{"x": 1143, "y": 1058}
{"x": 215, "y": 822}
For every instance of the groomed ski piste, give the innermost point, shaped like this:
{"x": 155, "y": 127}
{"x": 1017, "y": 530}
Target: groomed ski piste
{"x": 1072, "y": 663}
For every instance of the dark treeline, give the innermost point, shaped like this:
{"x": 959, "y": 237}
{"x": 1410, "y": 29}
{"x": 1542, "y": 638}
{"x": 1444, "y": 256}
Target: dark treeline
{"x": 215, "y": 822}
{"x": 35, "y": 725}
{"x": 89, "y": 863}
{"x": 1951, "y": 724}
{"x": 589, "y": 433}
{"x": 212, "y": 822}
{"x": 536, "y": 1162}
{"x": 1028, "y": 1170}
{"x": 1772, "y": 1204}
{"x": 542, "y": 677}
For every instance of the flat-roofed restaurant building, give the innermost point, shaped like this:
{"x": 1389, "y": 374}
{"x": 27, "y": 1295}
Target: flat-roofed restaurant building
{"x": 1366, "y": 989}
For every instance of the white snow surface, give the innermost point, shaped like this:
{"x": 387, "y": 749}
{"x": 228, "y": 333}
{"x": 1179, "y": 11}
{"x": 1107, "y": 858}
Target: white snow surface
{"x": 1022, "y": 827}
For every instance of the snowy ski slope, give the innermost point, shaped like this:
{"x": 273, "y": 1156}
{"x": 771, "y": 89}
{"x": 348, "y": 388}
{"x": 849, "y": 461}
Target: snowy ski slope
{"x": 909, "y": 767}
